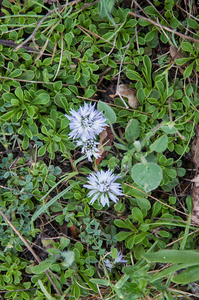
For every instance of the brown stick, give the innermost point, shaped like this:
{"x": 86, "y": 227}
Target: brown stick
{"x": 166, "y": 28}
{"x": 41, "y": 21}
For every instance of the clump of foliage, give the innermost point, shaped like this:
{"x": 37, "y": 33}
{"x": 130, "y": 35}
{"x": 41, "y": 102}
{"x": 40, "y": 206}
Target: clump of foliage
{"x": 71, "y": 227}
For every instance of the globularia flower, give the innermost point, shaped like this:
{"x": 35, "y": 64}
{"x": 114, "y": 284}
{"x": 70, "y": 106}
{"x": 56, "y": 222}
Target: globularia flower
{"x": 111, "y": 264}
{"x": 89, "y": 147}
{"x": 86, "y": 122}
{"x": 103, "y": 187}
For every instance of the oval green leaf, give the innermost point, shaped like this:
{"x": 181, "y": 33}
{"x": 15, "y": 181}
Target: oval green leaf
{"x": 43, "y": 98}
{"x": 132, "y": 131}
{"x": 108, "y": 112}
{"x": 148, "y": 176}
{"x": 160, "y": 144}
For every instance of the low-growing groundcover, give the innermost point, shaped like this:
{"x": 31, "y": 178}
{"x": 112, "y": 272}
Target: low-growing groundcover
{"x": 98, "y": 107}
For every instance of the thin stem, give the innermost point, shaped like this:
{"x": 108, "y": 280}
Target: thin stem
{"x": 116, "y": 136}
{"x": 153, "y": 131}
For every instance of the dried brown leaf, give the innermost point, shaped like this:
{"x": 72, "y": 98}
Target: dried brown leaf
{"x": 47, "y": 241}
{"x": 195, "y": 199}
{"x": 195, "y": 192}
{"x": 195, "y": 179}
{"x": 126, "y": 91}
{"x": 175, "y": 54}
{"x": 50, "y": 1}
{"x": 106, "y": 136}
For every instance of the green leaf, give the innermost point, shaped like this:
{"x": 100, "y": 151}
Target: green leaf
{"x": 64, "y": 242}
{"x": 57, "y": 85}
{"x": 143, "y": 203}
{"x": 174, "y": 257}
{"x": 19, "y": 93}
{"x": 122, "y": 281}
{"x": 148, "y": 66}
{"x": 69, "y": 257}
{"x": 149, "y": 36}
{"x": 76, "y": 292}
{"x": 108, "y": 112}
{"x": 188, "y": 70}
{"x": 42, "y": 150}
{"x": 148, "y": 176}
{"x": 193, "y": 23}
{"x": 121, "y": 224}
{"x": 48, "y": 296}
{"x": 191, "y": 274}
{"x": 27, "y": 75}
{"x": 132, "y": 131}
{"x": 133, "y": 75}
{"x": 182, "y": 61}
{"x": 15, "y": 73}
{"x": 122, "y": 235}
{"x": 186, "y": 47}
{"x": 45, "y": 207}
{"x": 30, "y": 111}
{"x": 100, "y": 281}
{"x": 179, "y": 149}
{"x": 89, "y": 93}
{"x": 160, "y": 144}
{"x": 43, "y": 266}
{"x": 92, "y": 285}
{"x": 43, "y": 98}
{"x": 170, "y": 129}
{"x": 25, "y": 142}
{"x": 137, "y": 214}
{"x": 139, "y": 237}
{"x": 8, "y": 115}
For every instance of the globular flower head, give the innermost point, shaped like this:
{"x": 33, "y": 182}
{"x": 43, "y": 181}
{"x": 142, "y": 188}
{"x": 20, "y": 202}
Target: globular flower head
{"x": 86, "y": 122}
{"x": 111, "y": 264}
{"x": 89, "y": 147}
{"x": 102, "y": 186}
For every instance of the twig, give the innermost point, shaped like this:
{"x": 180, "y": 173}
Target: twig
{"x": 32, "y": 36}
{"x": 55, "y": 47}
{"x": 60, "y": 59}
{"x": 166, "y": 28}
{"x": 30, "y": 249}
{"x": 156, "y": 199}
{"x": 21, "y": 192}
{"x": 42, "y": 50}
{"x": 187, "y": 13}
{"x": 131, "y": 109}
{"x": 89, "y": 4}
{"x": 111, "y": 49}
{"x": 10, "y": 43}
{"x": 92, "y": 33}
{"x": 43, "y": 82}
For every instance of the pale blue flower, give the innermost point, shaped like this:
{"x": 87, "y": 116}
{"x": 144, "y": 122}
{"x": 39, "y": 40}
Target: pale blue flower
{"x": 111, "y": 264}
{"x": 89, "y": 147}
{"x": 86, "y": 122}
{"x": 103, "y": 187}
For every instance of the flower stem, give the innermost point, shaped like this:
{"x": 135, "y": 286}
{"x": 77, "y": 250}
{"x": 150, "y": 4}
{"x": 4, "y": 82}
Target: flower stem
{"x": 116, "y": 136}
